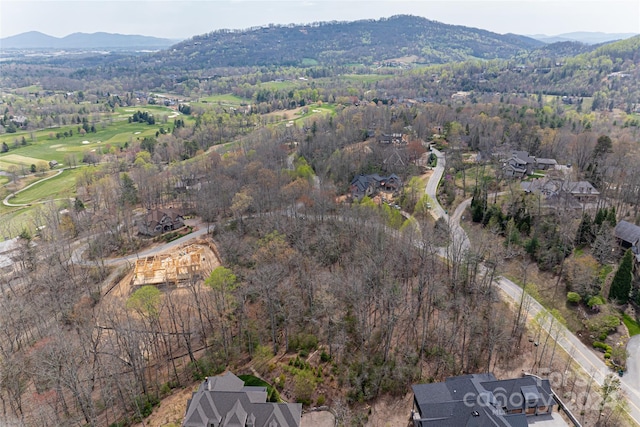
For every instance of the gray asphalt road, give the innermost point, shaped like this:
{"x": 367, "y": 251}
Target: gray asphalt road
{"x": 76, "y": 256}
{"x": 585, "y": 357}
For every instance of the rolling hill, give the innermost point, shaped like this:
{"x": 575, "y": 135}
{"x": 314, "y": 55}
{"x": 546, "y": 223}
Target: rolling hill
{"x": 339, "y": 43}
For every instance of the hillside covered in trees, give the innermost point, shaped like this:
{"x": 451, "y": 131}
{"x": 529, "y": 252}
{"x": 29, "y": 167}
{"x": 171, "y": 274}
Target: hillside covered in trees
{"x": 339, "y": 43}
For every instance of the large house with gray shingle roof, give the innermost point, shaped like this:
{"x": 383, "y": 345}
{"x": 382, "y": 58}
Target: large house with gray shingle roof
{"x": 367, "y": 185}
{"x": 521, "y": 164}
{"x": 224, "y": 401}
{"x": 482, "y": 400}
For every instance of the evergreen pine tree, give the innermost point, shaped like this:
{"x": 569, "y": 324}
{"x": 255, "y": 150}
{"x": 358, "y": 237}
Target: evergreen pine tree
{"x": 585, "y": 234}
{"x": 600, "y": 216}
{"x": 611, "y": 217}
{"x": 621, "y": 284}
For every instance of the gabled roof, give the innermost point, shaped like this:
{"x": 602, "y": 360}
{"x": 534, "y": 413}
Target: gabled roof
{"x": 515, "y": 168}
{"x": 361, "y": 182}
{"x": 580, "y": 187}
{"x": 155, "y": 216}
{"x": 224, "y": 401}
{"x": 523, "y": 157}
{"x": 479, "y": 400}
{"x": 627, "y": 232}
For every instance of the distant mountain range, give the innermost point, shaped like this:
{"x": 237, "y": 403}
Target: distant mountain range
{"x": 38, "y": 40}
{"x": 583, "y": 37}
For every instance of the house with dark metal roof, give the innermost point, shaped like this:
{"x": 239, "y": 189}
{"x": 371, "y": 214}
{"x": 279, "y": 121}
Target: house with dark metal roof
{"x": 480, "y": 400}
{"x": 224, "y": 401}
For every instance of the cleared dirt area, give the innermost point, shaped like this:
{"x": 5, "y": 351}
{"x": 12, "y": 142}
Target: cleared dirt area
{"x": 209, "y": 262}
{"x": 171, "y": 411}
{"x": 391, "y": 412}
{"x": 318, "y": 419}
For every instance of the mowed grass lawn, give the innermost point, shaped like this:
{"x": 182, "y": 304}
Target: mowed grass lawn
{"x": 312, "y": 111}
{"x": 16, "y": 219}
{"x": 115, "y": 133}
{"x": 226, "y": 99}
{"x": 61, "y": 186}
{"x": 365, "y": 78}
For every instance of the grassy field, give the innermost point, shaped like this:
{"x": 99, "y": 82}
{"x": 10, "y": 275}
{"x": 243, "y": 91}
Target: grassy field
{"x": 61, "y": 186}
{"x": 113, "y": 131}
{"x": 365, "y": 78}
{"x": 298, "y": 115}
{"x": 227, "y": 99}
{"x": 632, "y": 325}
{"x": 284, "y": 85}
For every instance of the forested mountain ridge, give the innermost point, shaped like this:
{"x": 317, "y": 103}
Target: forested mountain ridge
{"x": 339, "y": 43}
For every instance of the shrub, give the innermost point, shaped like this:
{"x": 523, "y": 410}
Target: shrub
{"x": 321, "y": 400}
{"x": 304, "y": 386}
{"x": 595, "y": 301}
{"x": 324, "y": 357}
{"x": 573, "y": 297}
{"x": 303, "y": 341}
{"x": 606, "y": 347}
{"x": 144, "y": 406}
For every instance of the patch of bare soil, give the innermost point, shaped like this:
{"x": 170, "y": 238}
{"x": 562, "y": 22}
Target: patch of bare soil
{"x": 286, "y": 114}
{"x": 318, "y": 419}
{"x": 171, "y": 410}
{"x": 391, "y": 411}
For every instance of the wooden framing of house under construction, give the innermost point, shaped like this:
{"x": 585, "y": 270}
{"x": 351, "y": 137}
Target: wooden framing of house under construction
{"x": 180, "y": 266}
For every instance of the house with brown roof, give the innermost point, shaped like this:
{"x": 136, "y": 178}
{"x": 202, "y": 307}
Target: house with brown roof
{"x": 158, "y": 221}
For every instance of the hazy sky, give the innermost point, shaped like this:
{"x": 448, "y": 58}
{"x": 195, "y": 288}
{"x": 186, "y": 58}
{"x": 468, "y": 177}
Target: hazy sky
{"x": 179, "y": 19}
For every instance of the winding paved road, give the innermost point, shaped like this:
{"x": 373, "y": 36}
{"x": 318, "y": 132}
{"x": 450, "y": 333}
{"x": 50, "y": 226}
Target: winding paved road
{"x": 581, "y": 354}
